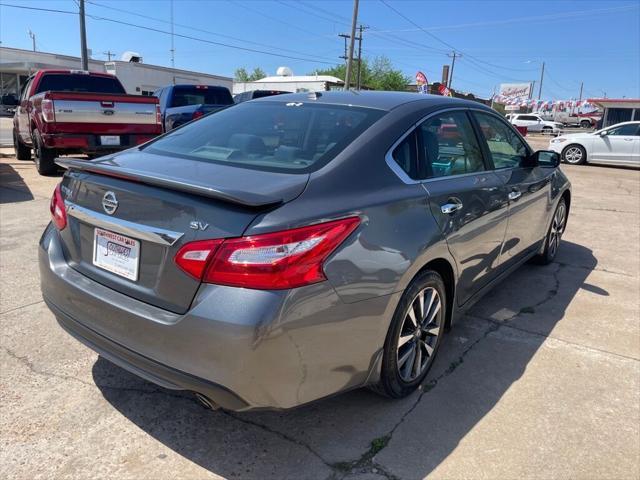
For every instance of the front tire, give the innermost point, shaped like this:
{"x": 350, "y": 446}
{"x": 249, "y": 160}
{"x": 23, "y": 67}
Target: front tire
{"x": 554, "y": 235}
{"x": 574, "y": 154}
{"x": 23, "y": 152}
{"x": 414, "y": 336}
{"x": 44, "y": 156}
{"x": 585, "y": 124}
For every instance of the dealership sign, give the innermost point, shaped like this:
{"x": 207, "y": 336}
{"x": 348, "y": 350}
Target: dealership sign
{"x": 421, "y": 82}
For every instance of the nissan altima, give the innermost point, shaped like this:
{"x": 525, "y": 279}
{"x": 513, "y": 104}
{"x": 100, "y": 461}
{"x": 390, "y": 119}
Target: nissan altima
{"x": 296, "y": 246}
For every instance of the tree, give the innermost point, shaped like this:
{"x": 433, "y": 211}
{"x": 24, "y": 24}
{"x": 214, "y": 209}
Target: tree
{"x": 241, "y": 74}
{"x": 378, "y": 75}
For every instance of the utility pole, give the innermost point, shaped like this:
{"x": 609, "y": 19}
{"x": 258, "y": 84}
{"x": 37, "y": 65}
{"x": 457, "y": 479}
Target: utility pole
{"x": 173, "y": 51}
{"x": 109, "y": 54}
{"x": 344, "y": 57}
{"x": 83, "y": 39}
{"x": 541, "y": 78}
{"x": 361, "y": 28}
{"x": 33, "y": 39}
{"x": 453, "y": 64}
{"x": 354, "y": 19}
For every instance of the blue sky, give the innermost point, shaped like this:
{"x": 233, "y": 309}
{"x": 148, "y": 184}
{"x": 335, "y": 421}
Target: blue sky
{"x": 501, "y": 41}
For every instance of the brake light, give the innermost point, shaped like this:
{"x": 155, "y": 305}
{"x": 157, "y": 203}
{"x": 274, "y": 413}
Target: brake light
{"x": 272, "y": 261}
{"x": 48, "y": 113}
{"x": 197, "y": 114}
{"x": 158, "y": 114}
{"x": 57, "y": 209}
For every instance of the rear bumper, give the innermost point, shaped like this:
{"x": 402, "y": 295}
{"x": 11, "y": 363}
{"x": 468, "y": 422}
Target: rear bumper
{"x": 90, "y": 143}
{"x": 244, "y": 349}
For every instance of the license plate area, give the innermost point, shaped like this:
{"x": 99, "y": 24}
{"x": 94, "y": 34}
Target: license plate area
{"x": 109, "y": 140}
{"x": 116, "y": 253}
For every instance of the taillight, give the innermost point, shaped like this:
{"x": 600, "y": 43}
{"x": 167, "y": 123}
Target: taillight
{"x": 193, "y": 256}
{"x": 197, "y": 114}
{"x": 271, "y": 261}
{"x": 57, "y": 209}
{"x": 48, "y": 113}
{"x": 158, "y": 115}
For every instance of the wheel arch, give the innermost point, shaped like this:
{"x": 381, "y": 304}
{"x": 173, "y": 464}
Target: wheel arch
{"x": 575, "y": 144}
{"x": 446, "y": 270}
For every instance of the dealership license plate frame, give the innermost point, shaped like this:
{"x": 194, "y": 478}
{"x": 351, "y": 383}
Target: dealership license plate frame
{"x": 116, "y": 253}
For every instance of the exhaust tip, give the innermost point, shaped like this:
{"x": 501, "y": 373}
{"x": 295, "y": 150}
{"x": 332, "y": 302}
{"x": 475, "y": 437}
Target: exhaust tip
{"x": 206, "y": 402}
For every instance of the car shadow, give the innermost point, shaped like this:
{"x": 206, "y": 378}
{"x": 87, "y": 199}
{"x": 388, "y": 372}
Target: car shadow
{"x": 13, "y": 188}
{"x": 346, "y": 430}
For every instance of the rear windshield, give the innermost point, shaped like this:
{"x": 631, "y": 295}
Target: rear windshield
{"x": 275, "y": 136}
{"x": 69, "y": 82}
{"x": 183, "y": 96}
{"x": 267, "y": 93}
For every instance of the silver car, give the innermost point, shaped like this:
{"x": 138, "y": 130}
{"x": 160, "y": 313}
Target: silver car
{"x": 292, "y": 247}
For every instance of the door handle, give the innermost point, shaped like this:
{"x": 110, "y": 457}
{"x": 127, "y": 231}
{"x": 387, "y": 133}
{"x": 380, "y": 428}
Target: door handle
{"x": 514, "y": 194}
{"x": 628, "y": 139}
{"x": 449, "y": 208}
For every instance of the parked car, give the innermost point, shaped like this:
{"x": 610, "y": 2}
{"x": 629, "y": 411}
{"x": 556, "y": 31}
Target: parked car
{"x": 74, "y": 111}
{"x": 535, "y": 123}
{"x": 180, "y": 104}
{"x": 253, "y": 94}
{"x": 8, "y": 104}
{"x": 294, "y": 246}
{"x": 616, "y": 145}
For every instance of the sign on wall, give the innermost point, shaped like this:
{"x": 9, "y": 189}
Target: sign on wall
{"x": 513, "y": 91}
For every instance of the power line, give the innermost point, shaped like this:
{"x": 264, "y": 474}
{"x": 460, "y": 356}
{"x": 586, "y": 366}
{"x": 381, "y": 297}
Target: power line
{"x": 157, "y": 30}
{"x": 195, "y": 29}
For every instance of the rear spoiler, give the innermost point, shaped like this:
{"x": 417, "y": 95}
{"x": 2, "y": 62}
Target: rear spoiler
{"x": 247, "y": 199}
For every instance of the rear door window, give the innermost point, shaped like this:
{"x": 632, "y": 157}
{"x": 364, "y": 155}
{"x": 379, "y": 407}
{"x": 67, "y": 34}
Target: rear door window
{"x": 506, "y": 147}
{"x": 62, "y": 82}
{"x": 449, "y": 146}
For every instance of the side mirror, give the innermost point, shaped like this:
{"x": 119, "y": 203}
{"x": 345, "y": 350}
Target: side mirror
{"x": 603, "y": 133}
{"x": 547, "y": 158}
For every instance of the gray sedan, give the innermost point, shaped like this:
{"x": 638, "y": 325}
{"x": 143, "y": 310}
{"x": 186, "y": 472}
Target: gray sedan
{"x": 295, "y": 246}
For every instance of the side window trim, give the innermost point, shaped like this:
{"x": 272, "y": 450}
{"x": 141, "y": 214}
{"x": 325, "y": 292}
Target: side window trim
{"x": 397, "y": 169}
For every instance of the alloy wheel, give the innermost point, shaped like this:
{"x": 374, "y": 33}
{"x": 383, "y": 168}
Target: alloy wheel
{"x": 557, "y": 229}
{"x": 573, "y": 155}
{"x": 419, "y": 334}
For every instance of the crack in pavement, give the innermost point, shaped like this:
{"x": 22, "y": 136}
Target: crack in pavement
{"x": 594, "y": 269}
{"x": 21, "y": 307}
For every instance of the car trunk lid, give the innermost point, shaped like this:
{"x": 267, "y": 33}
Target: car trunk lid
{"x": 126, "y": 223}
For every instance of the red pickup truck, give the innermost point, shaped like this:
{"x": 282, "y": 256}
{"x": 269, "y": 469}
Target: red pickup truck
{"x": 73, "y": 111}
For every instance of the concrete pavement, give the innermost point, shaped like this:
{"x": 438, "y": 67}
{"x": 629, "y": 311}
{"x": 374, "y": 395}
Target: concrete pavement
{"x": 540, "y": 380}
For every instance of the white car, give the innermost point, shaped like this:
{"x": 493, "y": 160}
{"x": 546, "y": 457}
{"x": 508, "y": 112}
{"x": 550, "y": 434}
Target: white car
{"x": 535, "y": 123}
{"x": 616, "y": 145}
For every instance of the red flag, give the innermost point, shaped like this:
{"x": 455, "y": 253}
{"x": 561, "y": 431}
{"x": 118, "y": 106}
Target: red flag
{"x": 444, "y": 91}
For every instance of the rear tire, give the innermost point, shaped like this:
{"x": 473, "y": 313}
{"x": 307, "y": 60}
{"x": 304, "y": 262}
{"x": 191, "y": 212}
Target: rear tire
{"x": 44, "y": 156}
{"x": 414, "y": 336}
{"x": 554, "y": 235}
{"x": 574, "y": 154}
{"x": 23, "y": 152}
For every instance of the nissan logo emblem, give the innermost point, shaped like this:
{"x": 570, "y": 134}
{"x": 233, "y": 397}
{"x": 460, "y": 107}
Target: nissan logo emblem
{"x": 110, "y": 202}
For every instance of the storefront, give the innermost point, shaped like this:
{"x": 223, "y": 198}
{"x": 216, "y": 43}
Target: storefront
{"x": 618, "y": 110}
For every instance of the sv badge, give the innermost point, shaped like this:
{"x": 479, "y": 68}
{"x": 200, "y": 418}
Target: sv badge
{"x": 198, "y": 225}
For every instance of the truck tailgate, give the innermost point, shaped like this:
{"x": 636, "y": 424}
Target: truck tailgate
{"x": 103, "y": 108}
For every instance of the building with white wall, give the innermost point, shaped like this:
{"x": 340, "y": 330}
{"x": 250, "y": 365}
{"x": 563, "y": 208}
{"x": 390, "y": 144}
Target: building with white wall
{"x": 137, "y": 78}
{"x": 285, "y": 80}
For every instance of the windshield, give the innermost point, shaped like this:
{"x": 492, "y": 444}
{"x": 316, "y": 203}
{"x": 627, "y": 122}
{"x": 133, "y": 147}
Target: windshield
{"x": 273, "y": 136}
{"x": 69, "y": 82}
{"x": 200, "y": 95}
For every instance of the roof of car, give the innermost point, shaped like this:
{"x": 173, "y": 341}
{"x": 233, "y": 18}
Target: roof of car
{"x": 370, "y": 99}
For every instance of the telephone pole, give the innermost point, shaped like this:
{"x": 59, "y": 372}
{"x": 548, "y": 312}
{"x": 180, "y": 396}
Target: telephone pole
{"x": 344, "y": 57}
{"x": 453, "y": 64}
{"x": 83, "y": 39}
{"x": 173, "y": 51}
{"x": 109, "y": 54}
{"x": 354, "y": 19}
{"x": 33, "y": 39}
{"x": 359, "y": 38}
{"x": 541, "y": 78}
